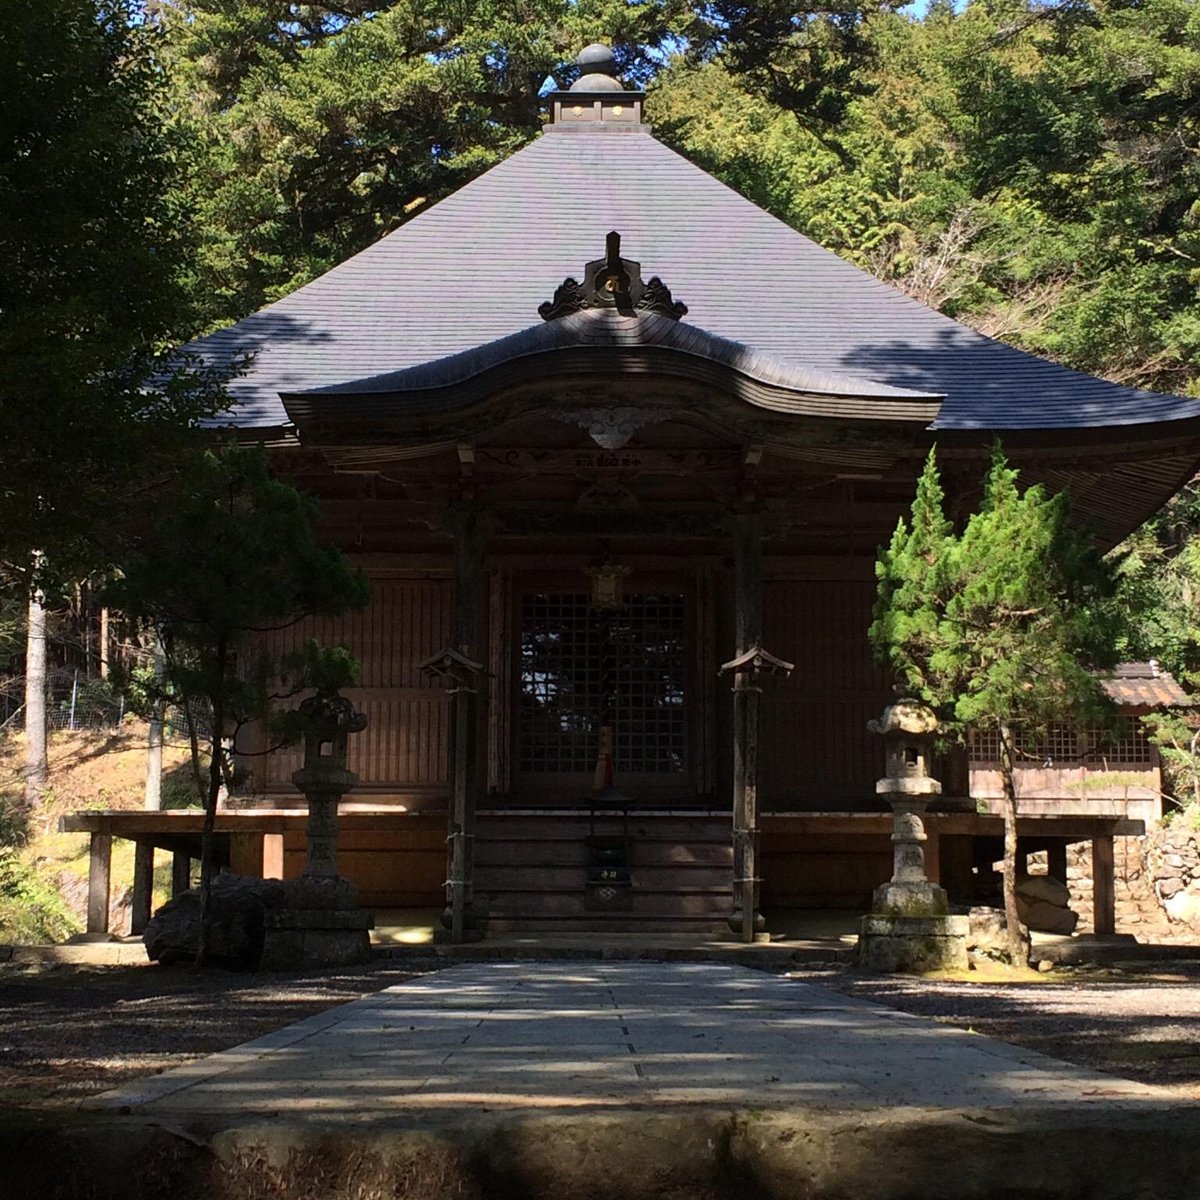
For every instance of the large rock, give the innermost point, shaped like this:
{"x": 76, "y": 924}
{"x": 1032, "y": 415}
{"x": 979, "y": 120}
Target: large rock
{"x": 236, "y": 915}
{"x": 987, "y": 936}
{"x": 1047, "y": 918}
{"x": 1044, "y": 889}
{"x": 1043, "y": 904}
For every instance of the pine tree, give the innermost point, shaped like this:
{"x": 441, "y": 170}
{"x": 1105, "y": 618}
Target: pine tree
{"x": 999, "y": 628}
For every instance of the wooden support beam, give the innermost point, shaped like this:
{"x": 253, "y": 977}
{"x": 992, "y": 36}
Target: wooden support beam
{"x": 181, "y": 872}
{"x": 99, "y": 870}
{"x": 143, "y": 886}
{"x": 1104, "y": 885}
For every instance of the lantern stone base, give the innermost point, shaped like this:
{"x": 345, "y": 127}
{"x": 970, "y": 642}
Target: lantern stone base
{"x": 888, "y": 942}
{"x": 298, "y": 938}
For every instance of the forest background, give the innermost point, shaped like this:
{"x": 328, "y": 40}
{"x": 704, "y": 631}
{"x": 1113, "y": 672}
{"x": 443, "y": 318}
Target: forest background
{"x": 1031, "y": 169}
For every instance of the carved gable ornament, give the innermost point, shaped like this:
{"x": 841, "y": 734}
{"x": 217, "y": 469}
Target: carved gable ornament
{"x": 612, "y": 282}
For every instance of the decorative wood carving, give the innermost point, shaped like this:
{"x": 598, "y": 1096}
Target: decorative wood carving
{"x": 612, "y": 282}
{"x": 609, "y": 428}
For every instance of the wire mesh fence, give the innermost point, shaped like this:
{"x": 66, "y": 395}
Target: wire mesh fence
{"x": 78, "y": 701}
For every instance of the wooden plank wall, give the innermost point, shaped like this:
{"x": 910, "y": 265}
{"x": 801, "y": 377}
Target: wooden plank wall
{"x": 815, "y": 753}
{"x": 404, "y": 744}
{"x": 401, "y": 869}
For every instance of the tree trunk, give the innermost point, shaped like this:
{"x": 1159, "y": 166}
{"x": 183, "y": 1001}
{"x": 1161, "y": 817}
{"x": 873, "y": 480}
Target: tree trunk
{"x": 1016, "y": 943}
{"x": 154, "y": 740}
{"x": 37, "y": 770}
{"x": 208, "y": 834}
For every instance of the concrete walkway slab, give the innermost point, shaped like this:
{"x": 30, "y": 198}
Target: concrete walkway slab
{"x": 602, "y": 1036}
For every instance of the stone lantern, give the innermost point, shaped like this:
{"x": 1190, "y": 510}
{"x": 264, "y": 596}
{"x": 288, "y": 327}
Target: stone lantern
{"x": 321, "y": 923}
{"x": 329, "y": 719}
{"x": 910, "y": 926}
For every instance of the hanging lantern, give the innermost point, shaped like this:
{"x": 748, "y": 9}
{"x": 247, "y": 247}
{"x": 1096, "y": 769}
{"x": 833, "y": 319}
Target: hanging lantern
{"x": 608, "y": 584}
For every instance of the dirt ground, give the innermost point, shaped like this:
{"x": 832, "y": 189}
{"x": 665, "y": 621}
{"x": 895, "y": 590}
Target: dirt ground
{"x": 1139, "y": 1023}
{"x": 69, "y": 1032}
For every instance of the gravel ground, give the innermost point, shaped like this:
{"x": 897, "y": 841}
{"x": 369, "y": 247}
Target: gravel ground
{"x": 1139, "y": 1024}
{"x": 69, "y": 1032}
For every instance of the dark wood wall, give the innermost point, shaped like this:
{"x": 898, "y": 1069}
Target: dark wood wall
{"x": 403, "y": 749}
{"x": 816, "y": 753}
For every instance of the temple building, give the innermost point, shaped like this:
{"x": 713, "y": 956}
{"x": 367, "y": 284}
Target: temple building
{"x": 627, "y": 445}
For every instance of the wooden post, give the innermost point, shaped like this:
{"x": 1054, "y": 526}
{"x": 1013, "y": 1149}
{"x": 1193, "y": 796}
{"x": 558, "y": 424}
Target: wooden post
{"x": 143, "y": 886}
{"x": 272, "y": 856}
{"x": 1104, "y": 891}
{"x": 181, "y": 872}
{"x": 933, "y": 850}
{"x": 468, "y": 587}
{"x": 1056, "y": 861}
{"x": 99, "y": 868}
{"x": 246, "y": 854}
{"x": 747, "y": 570}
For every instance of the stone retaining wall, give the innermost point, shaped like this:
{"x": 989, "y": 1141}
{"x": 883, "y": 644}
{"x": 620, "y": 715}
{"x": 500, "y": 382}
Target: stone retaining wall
{"x": 1157, "y": 883}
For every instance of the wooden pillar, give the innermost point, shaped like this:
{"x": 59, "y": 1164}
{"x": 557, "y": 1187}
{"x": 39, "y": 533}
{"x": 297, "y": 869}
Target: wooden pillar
{"x": 143, "y": 886}
{"x": 933, "y": 852}
{"x": 1104, "y": 889}
{"x": 246, "y": 853}
{"x": 468, "y": 594}
{"x": 99, "y": 869}
{"x": 956, "y": 858}
{"x": 1056, "y": 861}
{"x": 747, "y": 572}
{"x": 181, "y": 872}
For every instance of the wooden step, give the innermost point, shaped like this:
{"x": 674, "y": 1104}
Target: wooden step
{"x": 601, "y": 923}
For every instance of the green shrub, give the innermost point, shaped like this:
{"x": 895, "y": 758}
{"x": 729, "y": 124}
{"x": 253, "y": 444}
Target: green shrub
{"x": 31, "y": 908}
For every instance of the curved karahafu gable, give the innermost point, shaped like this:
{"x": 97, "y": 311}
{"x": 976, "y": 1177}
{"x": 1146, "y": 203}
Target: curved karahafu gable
{"x": 606, "y": 344}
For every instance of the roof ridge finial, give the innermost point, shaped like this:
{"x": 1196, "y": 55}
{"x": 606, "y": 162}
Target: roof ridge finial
{"x": 597, "y": 99}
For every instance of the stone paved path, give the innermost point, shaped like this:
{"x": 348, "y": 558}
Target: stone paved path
{"x": 572, "y": 1036}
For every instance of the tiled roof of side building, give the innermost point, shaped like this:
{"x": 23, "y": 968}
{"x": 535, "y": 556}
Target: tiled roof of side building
{"x": 1145, "y": 685}
{"x": 474, "y": 268}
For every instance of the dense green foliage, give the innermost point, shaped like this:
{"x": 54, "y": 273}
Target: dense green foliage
{"x": 231, "y": 554}
{"x": 1002, "y": 624}
{"x": 31, "y": 906}
{"x": 91, "y": 279}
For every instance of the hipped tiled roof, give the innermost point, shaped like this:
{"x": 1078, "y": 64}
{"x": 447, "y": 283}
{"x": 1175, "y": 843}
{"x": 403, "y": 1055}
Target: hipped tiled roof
{"x": 474, "y": 268}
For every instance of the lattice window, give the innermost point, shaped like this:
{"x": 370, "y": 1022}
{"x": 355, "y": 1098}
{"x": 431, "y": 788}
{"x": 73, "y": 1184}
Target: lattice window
{"x": 984, "y": 746}
{"x": 1060, "y": 744}
{"x": 1129, "y": 746}
{"x": 583, "y": 667}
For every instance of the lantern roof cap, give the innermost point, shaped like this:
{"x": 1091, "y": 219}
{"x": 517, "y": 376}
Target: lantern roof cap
{"x": 906, "y": 716}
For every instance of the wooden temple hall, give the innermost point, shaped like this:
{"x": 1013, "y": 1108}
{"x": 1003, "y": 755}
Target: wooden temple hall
{"x": 626, "y": 445}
